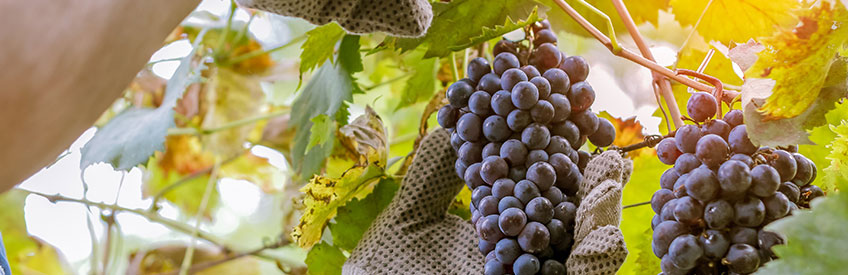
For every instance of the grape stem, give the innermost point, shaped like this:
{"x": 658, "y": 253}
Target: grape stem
{"x": 662, "y": 85}
{"x": 718, "y": 92}
{"x": 635, "y": 204}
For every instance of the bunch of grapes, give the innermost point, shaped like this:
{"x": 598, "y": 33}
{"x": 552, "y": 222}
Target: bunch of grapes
{"x": 517, "y": 127}
{"x": 721, "y": 192}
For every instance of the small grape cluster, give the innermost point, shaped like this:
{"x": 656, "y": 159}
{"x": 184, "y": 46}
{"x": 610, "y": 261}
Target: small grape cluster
{"x": 517, "y": 127}
{"x": 721, "y": 192}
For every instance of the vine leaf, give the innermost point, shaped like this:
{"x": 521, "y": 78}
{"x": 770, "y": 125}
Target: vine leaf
{"x": 799, "y": 60}
{"x": 356, "y": 216}
{"x": 815, "y": 236}
{"x": 836, "y": 174}
{"x": 497, "y": 31}
{"x": 325, "y": 94}
{"x": 325, "y": 259}
{"x": 365, "y": 138}
{"x": 321, "y": 131}
{"x": 183, "y": 156}
{"x": 26, "y": 254}
{"x": 422, "y": 84}
{"x": 131, "y": 137}
{"x": 730, "y": 20}
{"x": 325, "y": 195}
{"x": 320, "y": 46}
{"x": 745, "y": 55}
{"x": 456, "y": 23}
{"x": 641, "y": 11}
{"x": 230, "y": 96}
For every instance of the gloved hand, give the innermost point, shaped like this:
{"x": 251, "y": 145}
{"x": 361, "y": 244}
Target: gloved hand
{"x": 415, "y": 235}
{"x": 396, "y": 17}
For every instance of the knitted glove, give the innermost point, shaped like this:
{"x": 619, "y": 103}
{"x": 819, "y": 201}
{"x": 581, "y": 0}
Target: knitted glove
{"x": 415, "y": 235}
{"x": 397, "y": 17}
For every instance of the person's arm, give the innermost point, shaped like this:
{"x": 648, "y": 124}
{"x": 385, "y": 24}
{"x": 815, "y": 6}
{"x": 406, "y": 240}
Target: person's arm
{"x": 63, "y": 63}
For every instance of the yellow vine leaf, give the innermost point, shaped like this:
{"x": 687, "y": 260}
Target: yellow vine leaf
{"x": 230, "y": 97}
{"x": 365, "y": 138}
{"x": 837, "y": 171}
{"x": 799, "y": 59}
{"x": 734, "y": 20}
{"x": 323, "y": 196}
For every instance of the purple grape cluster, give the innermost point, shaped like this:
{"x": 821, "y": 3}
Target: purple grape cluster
{"x": 721, "y": 192}
{"x": 517, "y": 126}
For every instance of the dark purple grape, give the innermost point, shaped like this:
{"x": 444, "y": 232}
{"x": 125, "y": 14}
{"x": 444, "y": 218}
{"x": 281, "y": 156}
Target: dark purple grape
{"x": 539, "y": 210}
{"x": 477, "y": 68}
{"x": 460, "y": 168}
{"x": 689, "y": 211}
{"x": 492, "y": 169}
{"x": 804, "y": 170}
{"x": 542, "y": 112}
{"x": 791, "y": 191}
{"x": 530, "y": 71}
{"x": 686, "y": 162}
{"x": 488, "y": 229}
{"x": 717, "y": 127}
{"x": 765, "y": 180}
{"x": 535, "y": 156}
{"x": 750, "y": 211}
{"x": 701, "y": 106}
{"x": 509, "y": 202}
{"x": 562, "y": 107}
{"x": 512, "y": 221}
{"x": 488, "y": 205}
{"x": 560, "y": 83}
{"x": 504, "y": 46}
{"x": 668, "y": 178}
{"x": 668, "y": 268}
{"x": 502, "y": 103}
{"x": 502, "y": 187}
{"x": 490, "y": 83}
{"x": 526, "y": 264}
{"x": 470, "y": 152}
{"x": 545, "y": 56}
{"x": 744, "y": 235}
{"x": 542, "y": 174}
{"x": 513, "y": 151}
{"x": 491, "y": 149}
{"x": 447, "y": 116}
{"x": 785, "y": 164}
{"x": 742, "y": 259}
{"x": 810, "y": 192}
{"x": 714, "y": 242}
{"x": 734, "y": 178}
{"x": 504, "y": 61}
{"x": 544, "y": 36}
{"x": 605, "y": 134}
{"x": 664, "y": 234}
{"x": 667, "y": 151}
{"x": 458, "y": 94}
{"x": 478, "y": 194}
{"x": 518, "y": 119}
{"x": 495, "y": 129}
{"x": 766, "y": 240}
{"x": 558, "y": 144}
{"x": 526, "y": 190}
{"x": 480, "y": 103}
{"x": 667, "y": 213}
{"x": 536, "y": 136}
{"x": 553, "y": 267}
{"x": 712, "y": 150}
{"x": 511, "y": 77}
{"x": 739, "y": 142}
{"x": 581, "y": 96}
{"x": 744, "y": 159}
{"x": 565, "y": 212}
{"x": 472, "y": 176}
{"x": 718, "y": 214}
{"x": 507, "y": 250}
{"x": 566, "y": 129}
{"x": 659, "y": 199}
{"x": 777, "y": 206}
{"x": 542, "y": 85}
{"x": 702, "y": 184}
{"x": 469, "y": 127}
{"x": 541, "y": 25}
{"x": 534, "y": 237}
{"x": 554, "y": 195}
{"x": 524, "y": 95}
{"x": 734, "y": 118}
{"x": 561, "y": 164}
{"x": 517, "y": 172}
{"x": 576, "y": 67}
{"x": 687, "y": 138}
{"x": 685, "y": 251}
{"x": 586, "y": 121}
{"x": 585, "y": 157}
{"x": 485, "y": 247}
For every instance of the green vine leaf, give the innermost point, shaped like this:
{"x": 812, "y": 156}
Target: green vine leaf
{"x": 490, "y": 33}
{"x": 325, "y": 259}
{"x": 422, "y": 84}
{"x": 320, "y": 46}
{"x": 356, "y": 216}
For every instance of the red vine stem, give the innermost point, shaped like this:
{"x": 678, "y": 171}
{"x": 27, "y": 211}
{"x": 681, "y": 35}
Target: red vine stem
{"x": 718, "y": 92}
{"x": 662, "y": 83}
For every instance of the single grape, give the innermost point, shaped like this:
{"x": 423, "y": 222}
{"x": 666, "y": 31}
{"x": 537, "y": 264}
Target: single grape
{"x": 576, "y": 67}
{"x": 542, "y": 85}
{"x": 791, "y": 191}
{"x": 553, "y": 267}
{"x": 766, "y": 240}
{"x": 734, "y": 118}
{"x": 511, "y": 77}
{"x": 739, "y": 142}
{"x": 526, "y": 264}
{"x": 491, "y": 149}
{"x": 485, "y": 246}
{"x": 458, "y": 94}
{"x": 507, "y": 250}
{"x": 493, "y": 168}
{"x": 810, "y": 192}
{"x": 656, "y": 220}
{"x": 542, "y": 174}
{"x": 493, "y": 267}
{"x": 511, "y": 221}
{"x": 668, "y": 178}
{"x": 495, "y": 129}
{"x": 456, "y": 141}
{"x": 535, "y": 156}
{"x": 570, "y": 184}
{"x": 765, "y": 180}
{"x": 750, "y": 211}
{"x": 585, "y": 157}
{"x": 717, "y": 127}
{"x": 804, "y": 171}
{"x": 566, "y": 129}
{"x": 667, "y": 213}
{"x": 668, "y": 268}
{"x": 659, "y": 199}
{"x": 667, "y": 151}
{"x": 513, "y": 151}
{"x": 534, "y": 237}
{"x": 488, "y": 230}
{"x": 509, "y": 202}
{"x": 472, "y": 176}
{"x": 479, "y": 193}
{"x": 470, "y": 152}
{"x": 688, "y": 210}
{"x": 447, "y": 116}
{"x": 502, "y": 188}
{"x": 686, "y": 162}
{"x": 544, "y": 36}
{"x": 542, "y": 112}
{"x": 685, "y": 251}
{"x": 541, "y": 25}
{"x": 540, "y": 210}
{"x": 735, "y": 178}
{"x": 460, "y": 168}
{"x": 554, "y": 195}
{"x": 504, "y": 61}
{"x": 490, "y": 83}
{"x": 525, "y": 191}
{"x": 565, "y": 212}
{"x": 488, "y": 205}
{"x": 605, "y": 134}
{"x": 574, "y": 155}
{"x": 480, "y": 103}
{"x": 744, "y": 159}
{"x": 530, "y": 71}
{"x": 561, "y": 164}
{"x": 524, "y": 95}
{"x": 561, "y": 106}
{"x": 518, "y": 119}
{"x": 664, "y": 234}
{"x": 712, "y": 150}
{"x": 586, "y": 121}
{"x": 504, "y": 46}
{"x": 701, "y": 106}
{"x": 469, "y": 127}
{"x": 744, "y": 235}
{"x": 502, "y": 103}
{"x": 777, "y": 206}
{"x": 686, "y": 138}
{"x": 558, "y": 144}
{"x": 679, "y": 189}
{"x": 560, "y": 83}
{"x": 517, "y": 172}
{"x": 718, "y": 214}
{"x": 546, "y": 56}
{"x": 714, "y": 242}
{"x": 477, "y": 68}
{"x": 742, "y": 258}
{"x": 536, "y": 136}
{"x": 702, "y": 184}
{"x": 581, "y": 96}
{"x": 785, "y": 164}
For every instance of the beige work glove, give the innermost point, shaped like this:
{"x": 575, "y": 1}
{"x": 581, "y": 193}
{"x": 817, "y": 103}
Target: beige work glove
{"x": 415, "y": 235}
{"x": 397, "y": 17}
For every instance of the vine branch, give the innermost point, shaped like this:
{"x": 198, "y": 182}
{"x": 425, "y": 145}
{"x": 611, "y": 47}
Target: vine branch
{"x": 205, "y": 265}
